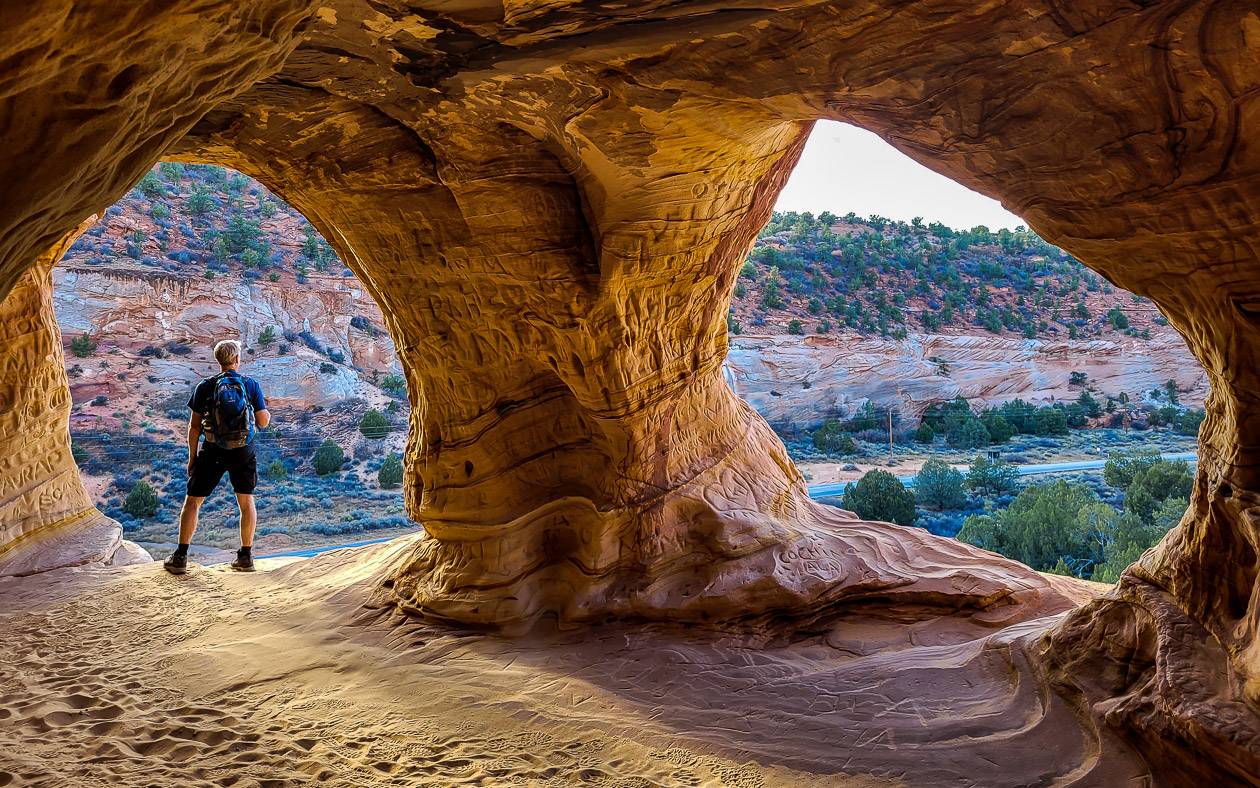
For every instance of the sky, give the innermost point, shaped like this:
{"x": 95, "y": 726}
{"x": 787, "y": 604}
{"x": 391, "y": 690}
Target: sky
{"x": 844, "y": 168}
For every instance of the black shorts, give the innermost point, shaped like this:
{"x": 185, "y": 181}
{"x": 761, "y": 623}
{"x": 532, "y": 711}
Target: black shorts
{"x": 240, "y": 464}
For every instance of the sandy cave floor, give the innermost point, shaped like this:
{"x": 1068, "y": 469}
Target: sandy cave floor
{"x": 135, "y": 677}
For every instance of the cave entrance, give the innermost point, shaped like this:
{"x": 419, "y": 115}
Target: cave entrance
{"x": 198, "y": 253}
{"x": 888, "y": 316}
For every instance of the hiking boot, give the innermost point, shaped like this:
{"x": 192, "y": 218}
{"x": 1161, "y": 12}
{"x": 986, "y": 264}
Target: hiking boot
{"x": 177, "y": 564}
{"x": 244, "y": 562}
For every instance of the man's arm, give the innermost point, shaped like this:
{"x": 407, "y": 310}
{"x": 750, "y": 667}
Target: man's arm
{"x": 262, "y": 416}
{"x": 194, "y": 433}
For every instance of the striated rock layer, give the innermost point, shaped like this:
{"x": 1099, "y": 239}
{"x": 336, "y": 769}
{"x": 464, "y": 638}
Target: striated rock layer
{"x": 133, "y": 308}
{"x": 550, "y": 200}
{"x": 801, "y": 381}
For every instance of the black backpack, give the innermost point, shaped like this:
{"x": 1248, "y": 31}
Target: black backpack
{"x": 230, "y": 415}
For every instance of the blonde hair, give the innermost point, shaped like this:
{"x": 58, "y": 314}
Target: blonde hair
{"x": 227, "y": 352}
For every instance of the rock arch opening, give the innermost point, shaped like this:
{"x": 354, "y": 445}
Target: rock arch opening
{"x": 192, "y": 255}
{"x": 874, "y": 336}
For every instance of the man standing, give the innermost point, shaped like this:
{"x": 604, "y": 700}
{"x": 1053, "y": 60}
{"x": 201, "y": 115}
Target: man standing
{"x": 226, "y": 409}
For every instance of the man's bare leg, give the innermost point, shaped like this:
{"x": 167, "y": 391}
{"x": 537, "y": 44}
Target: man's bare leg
{"x": 249, "y": 518}
{"x": 188, "y": 518}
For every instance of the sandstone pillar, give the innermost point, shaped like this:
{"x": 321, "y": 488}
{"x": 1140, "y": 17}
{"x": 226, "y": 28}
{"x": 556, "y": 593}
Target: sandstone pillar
{"x": 46, "y": 517}
{"x": 559, "y": 306}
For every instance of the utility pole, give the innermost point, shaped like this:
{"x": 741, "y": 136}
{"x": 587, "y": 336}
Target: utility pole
{"x": 890, "y": 437}
{"x": 901, "y": 396}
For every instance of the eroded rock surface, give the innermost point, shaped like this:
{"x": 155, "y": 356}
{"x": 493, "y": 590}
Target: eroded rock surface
{"x": 46, "y": 518}
{"x": 550, "y": 199}
{"x": 133, "y": 308}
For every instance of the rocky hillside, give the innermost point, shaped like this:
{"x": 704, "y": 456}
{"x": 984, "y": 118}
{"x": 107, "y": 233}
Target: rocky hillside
{"x": 797, "y": 382}
{"x": 195, "y": 254}
{"x": 827, "y": 311}
{"x": 831, "y": 313}
{"x": 877, "y": 277}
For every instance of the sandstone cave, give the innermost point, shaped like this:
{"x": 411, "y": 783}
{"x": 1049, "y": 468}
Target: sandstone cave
{"x": 557, "y": 196}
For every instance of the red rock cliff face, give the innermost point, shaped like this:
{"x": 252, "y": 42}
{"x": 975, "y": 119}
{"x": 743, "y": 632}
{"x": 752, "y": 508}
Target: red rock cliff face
{"x": 801, "y": 381}
{"x": 550, "y": 201}
{"x": 131, "y": 309}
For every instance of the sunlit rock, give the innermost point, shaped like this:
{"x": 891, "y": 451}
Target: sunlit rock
{"x": 550, "y": 201}
{"x": 47, "y": 520}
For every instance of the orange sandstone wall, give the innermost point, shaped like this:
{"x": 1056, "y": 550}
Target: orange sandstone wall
{"x": 39, "y": 483}
{"x": 550, "y": 201}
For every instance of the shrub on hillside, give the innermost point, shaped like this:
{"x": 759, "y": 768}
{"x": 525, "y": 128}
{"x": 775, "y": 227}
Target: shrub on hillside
{"x": 879, "y": 495}
{"x": 151, "y": 186}
{"x": 374, "y": 425}
{"x": 391, "y": 473}
{"x": 832, "y": 439}
{"x": 968, "y": 433}
{"x": 142, "y": 501}
{"x": 1182, "y": 421}
{"x": 394, "y": 384}
{"x": 770, "y": 295}
{"x": 999, "y": 429}
{"x": 1189, "y": 421}
{"x": 329, "y": 458}
{"x": 83, "y": 345}
{"x": 310, "y": 340}
{"x": 363, "y": 324}
{"x": 1030, "y": 419}
{"x": 1088, "y": 406}
{"x": 924, "y": 433}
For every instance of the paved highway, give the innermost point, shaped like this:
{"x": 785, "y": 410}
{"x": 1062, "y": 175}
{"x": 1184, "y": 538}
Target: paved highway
{"x": 834, "y": 489}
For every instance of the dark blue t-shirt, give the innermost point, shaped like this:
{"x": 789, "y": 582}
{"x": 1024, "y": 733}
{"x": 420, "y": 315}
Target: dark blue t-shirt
{"x": 199, "y": 402}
